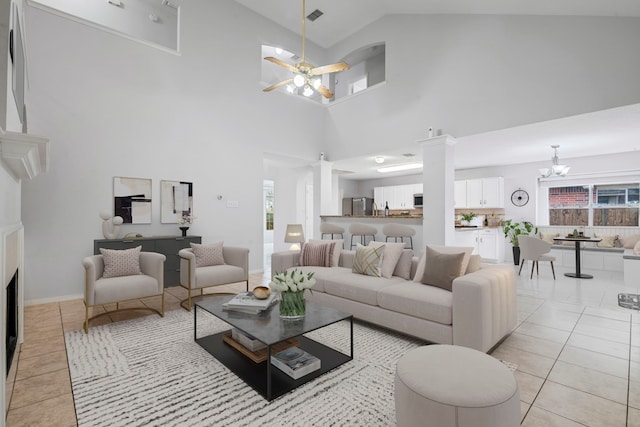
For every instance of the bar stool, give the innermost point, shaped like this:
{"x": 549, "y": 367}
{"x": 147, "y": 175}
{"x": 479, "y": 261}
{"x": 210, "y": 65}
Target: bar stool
{"x": 399, "y": 231}
{"x": 333, "y": 229}
{"x": 363, "y": 231}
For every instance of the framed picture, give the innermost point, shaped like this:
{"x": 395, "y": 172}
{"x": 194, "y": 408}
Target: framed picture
{"x": 176, "y": 200}
{"x": 132, "y": 199}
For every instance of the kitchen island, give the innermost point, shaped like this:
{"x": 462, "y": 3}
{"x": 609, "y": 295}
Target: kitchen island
{"x": 413, "y": 221}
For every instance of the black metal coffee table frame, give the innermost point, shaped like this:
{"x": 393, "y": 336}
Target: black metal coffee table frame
{"x": 267, "y": 380}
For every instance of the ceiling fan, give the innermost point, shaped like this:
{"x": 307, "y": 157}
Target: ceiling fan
{"x": 305, "y": 75}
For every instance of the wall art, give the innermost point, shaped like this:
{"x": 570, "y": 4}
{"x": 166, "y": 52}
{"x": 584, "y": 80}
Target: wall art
{"x": 132, "y": 199}
{"x": 176, "y": 200}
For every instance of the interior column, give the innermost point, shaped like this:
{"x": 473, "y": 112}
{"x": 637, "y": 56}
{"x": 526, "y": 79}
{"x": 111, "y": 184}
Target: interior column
{"x": 322, "y": 194}
{"x": 438, "y": 176}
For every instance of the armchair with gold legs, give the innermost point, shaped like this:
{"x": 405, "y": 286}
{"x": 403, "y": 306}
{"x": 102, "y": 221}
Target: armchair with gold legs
{"x": 117, "y": 288}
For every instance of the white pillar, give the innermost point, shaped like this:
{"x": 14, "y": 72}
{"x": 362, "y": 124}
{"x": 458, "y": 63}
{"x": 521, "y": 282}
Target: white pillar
{"x": 322, "y": 194}
{"x": 438, "y": 175}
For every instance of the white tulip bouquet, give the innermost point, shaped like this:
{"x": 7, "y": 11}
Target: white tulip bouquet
{"x": 291, "y": 286}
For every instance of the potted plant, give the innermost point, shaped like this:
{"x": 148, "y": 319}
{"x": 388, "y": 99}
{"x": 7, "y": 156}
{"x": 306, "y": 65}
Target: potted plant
{"x": 514, "y": 229}
{"x": 466, "y": 218}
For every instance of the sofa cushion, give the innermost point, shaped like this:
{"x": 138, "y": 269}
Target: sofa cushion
{"x": 441, "y": 268}
{"x": 207, "y": 255}
{"x": 445, "y": 250}
{"x": 213, "y": 275}
{"x": 124, "y": 288}
{"x": 403, "y": 267}
{"x": 628, "y": 242}
{"x": 416, "y": 299}
{"x": 317, "y": 253}
{"x": 548, "y": 237}
{"x": 368, "y": 260}
{"x": 358, "y": 287}
{"x": 608, "y": 241}
{"x": 321, "y": 274}
{"x": 121, "y": 262}
{"x": 392, "y": 253}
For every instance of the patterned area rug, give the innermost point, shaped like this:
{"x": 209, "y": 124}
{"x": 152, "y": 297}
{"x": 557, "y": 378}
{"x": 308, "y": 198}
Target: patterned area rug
{"x": 150, "y": 372}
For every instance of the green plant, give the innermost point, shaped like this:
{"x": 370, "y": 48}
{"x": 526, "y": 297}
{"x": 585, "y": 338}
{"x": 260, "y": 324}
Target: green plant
{"x": 514, "y": 229}
{"x": 468, "y": 216}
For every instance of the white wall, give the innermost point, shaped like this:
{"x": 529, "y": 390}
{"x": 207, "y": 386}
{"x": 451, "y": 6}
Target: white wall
{"x": 467, "y": 74}
{"x": 113, "y": 107}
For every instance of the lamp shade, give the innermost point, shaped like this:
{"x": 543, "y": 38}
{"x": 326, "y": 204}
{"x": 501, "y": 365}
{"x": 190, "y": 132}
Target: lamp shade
{"x": 294, "y": 234}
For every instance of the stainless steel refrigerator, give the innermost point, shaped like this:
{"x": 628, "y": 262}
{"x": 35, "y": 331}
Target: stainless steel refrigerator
{"x": 362, "y": 206}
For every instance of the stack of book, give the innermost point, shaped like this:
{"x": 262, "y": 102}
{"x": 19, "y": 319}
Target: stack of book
{"x": 295, "y": 362}
{"x": 245, "y": 302}
{"x": 247, "y": 340}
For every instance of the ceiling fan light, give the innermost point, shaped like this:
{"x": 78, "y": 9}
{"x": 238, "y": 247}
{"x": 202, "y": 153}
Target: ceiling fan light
{"x": 298, "y": 80}
{"x": 291, "y": 88}
{"x": 379, "y": 159}
{"x": 316, "y": 83}
{"x": 557, "y": 169}
{"x": 307, "y": 90}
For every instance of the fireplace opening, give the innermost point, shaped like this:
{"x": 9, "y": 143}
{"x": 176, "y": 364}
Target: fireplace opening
{"x": 12, "y": 319}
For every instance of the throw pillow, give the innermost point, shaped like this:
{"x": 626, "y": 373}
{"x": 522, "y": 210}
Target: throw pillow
{"x": 629, "y": 242}
{"x": 446, "y": 250}
{"x": 207, "y": 255}
{"x": 475, "y": 264}
{"x": 636, "y": 248}
{"x": 441, "y": 268}
{"x": 124, "y": 262}
{"x": 403, "y": 267}
{"x": 318, "y": 253}
{"x": 608, "y": 241}
{"x": 368, "y": 260}
{"x": 548, "y": 237}
{"x": 337, "y": 249}
{"x": 392, "y": 252}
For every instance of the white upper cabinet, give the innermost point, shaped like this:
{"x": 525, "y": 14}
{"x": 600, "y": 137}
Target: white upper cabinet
{"x": 398, "y": 196}
{"x": 480, "y": 193}
{"x": 460, "y": 194}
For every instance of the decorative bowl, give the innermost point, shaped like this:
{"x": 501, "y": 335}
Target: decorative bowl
{"x": 261, "y": 292}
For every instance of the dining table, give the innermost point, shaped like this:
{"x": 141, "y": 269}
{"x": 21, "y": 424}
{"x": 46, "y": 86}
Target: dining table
{"x": 578, "y": 240}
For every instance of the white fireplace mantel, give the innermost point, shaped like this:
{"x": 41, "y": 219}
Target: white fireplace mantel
{"x": 24, "y": 156}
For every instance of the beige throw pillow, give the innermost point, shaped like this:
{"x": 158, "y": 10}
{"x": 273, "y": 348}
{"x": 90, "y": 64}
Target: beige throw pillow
{"x": 441, "y": 268}
{"x": 119, "y": 263}
{"x": 337, "y": 249}
{"x": 368, "y": 260}
{"x": 548, "y": 237}
{"x": 475, "y": 264}
{"x": 207, "y": 255}
{"x": 608, "y": 241}
{"x": 629, "y": 242}
{"x": 392, "y": 252}
{"x": 636, "y": 248}
{"x": 403, "y": 267}
{"x": 317, "y": 253}
{"x": 446, "y": 250}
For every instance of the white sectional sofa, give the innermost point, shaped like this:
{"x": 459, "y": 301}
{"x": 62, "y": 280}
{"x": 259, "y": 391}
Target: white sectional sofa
{"x": 478, "y": 312}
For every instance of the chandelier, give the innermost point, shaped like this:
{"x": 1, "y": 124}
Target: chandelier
{"x": 556, "y": 168}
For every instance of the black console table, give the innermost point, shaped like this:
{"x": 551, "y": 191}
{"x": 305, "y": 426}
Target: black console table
{"x": 169, "y": 246}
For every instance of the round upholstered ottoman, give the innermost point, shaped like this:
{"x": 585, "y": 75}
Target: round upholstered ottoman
{"x": 447, "y": 386}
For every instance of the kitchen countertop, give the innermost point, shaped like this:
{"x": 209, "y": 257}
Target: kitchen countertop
{"x": 373, "y": 217}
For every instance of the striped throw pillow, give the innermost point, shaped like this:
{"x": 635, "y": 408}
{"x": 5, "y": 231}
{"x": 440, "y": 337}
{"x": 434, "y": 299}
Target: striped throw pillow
{"x": 368, "y": 260}
{"x": 317, "y": 254}
{"x": 119, "y": 262}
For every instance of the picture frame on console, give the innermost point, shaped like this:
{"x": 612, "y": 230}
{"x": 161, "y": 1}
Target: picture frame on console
{"x": 176, "y": 200}
{"x": 132, "y": 199}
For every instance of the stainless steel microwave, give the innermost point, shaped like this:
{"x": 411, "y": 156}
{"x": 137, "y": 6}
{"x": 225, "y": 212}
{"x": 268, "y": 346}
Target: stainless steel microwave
{"x": 417, "y": 200}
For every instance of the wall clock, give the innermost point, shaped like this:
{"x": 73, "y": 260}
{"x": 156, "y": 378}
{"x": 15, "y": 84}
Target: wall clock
{"x": 519, "y": 197}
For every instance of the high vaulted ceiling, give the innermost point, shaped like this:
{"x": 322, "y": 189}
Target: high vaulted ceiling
{"x": 344, "y": 17}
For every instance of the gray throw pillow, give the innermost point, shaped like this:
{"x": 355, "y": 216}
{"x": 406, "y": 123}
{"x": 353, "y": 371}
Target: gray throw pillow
{"x": 441, "y": 268}
{"x": 121, "y": 262}
{"x": 208, "y": 255}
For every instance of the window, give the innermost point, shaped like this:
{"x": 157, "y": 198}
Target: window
{"x": 268, "y": 206}
{"x": 603, "y": 205}
{"x": 358, "y": 85}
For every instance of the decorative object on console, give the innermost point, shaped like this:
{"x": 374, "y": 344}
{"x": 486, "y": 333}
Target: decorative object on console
{"x": 176, "y": 201}
{"x": 514, "y": 229}
{"x": 295, "y": 235}
{"x": 117, "y": 221}
{"x": 556, "y": 168}
{"x": 291, "y": 286}
{"x": 132, "y": 199}
{"x": 185, "y": 221}
{"x": 305, "y": 75}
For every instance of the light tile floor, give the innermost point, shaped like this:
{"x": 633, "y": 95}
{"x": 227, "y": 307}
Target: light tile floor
{"x": 578, "y": 353}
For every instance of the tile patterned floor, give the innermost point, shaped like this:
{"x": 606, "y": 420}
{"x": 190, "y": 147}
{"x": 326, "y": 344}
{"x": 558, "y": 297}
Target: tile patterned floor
{"x": 578, "y": 353}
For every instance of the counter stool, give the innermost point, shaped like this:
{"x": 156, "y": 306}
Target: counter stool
{"x": 363, "y": 231}
{"x": 333, "y": 229}
{"x": 399, "y": 231}
{"x": 452, "y": 386}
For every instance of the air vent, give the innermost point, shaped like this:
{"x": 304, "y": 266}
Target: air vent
{"x": 315, "y": 15}
{"x": 409, "y": 155}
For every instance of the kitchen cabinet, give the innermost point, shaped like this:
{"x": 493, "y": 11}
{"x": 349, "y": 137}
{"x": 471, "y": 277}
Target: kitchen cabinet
{"x": 398, "y": 196}
{"x": 480, "y": 193}
{"x": 485, "y": 242}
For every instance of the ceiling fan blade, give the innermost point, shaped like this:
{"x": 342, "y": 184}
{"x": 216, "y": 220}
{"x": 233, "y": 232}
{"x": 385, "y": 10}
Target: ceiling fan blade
{"x": 281, "y": 63}
{"x": 332, "y": 68}
{"x": 324, "y": 91}
{"x": 277, "y": 85}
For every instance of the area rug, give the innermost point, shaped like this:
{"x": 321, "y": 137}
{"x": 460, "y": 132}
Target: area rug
{"x": 150, "y": 372}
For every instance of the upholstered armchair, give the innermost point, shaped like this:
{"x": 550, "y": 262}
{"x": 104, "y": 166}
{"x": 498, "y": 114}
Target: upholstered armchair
{"x": 122, "y": 284}
{"x": 204, "y": 266}
{"x": 536, "y": 250}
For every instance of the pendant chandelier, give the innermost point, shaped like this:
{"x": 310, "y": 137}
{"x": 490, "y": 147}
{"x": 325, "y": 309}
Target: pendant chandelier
{"x": 556, "y": 168}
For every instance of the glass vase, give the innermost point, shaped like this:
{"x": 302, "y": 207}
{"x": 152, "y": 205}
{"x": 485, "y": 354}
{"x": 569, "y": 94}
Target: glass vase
{"x": 292, "y": 305}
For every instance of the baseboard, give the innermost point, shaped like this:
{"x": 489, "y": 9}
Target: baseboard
{"x": 39, "y": 301}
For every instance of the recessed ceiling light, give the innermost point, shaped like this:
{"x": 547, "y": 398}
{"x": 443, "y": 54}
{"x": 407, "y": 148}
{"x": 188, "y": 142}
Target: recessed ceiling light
{"x": 379, "y": 159}
{"x": 396, "y": 168}
{"x": 279, "y": 50}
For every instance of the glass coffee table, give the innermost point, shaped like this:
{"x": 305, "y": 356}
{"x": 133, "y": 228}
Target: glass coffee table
{"x": 268, "y": 328}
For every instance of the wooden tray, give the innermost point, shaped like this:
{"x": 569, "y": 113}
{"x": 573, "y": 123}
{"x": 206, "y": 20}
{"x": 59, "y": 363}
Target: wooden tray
{"x": 260, "y": 355}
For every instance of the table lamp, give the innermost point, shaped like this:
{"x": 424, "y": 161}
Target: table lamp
{"x": 295, "y": 235}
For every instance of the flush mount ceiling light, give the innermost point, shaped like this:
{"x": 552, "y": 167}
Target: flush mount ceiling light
{"x": 305, "y": 75}
{"x": 556, "y": 168}
{"x": 397, "y": 168}
{"x": 379, "y": 159}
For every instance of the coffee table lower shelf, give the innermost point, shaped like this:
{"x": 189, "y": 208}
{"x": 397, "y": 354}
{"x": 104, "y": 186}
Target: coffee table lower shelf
{"x": 265, "y": 378}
